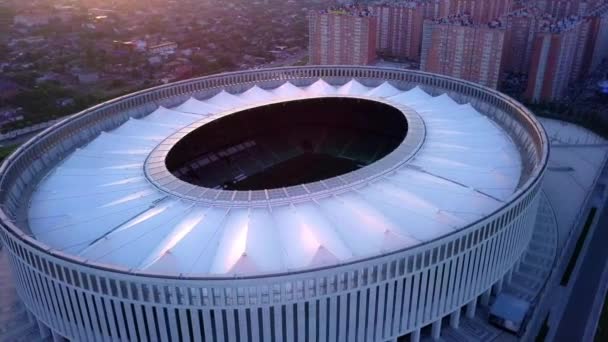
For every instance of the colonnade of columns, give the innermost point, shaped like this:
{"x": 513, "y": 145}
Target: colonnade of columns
{"x": 454, "y": 317}
{"x": 470, "y": 308}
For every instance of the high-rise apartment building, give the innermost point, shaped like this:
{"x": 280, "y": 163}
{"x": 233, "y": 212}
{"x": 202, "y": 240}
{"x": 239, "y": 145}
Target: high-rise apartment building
{"x": 400, "y": 25}
{"x": 566, "y": 51}
{"x": 583, "y": 30}
{"x": 342, "y": 36}
{"x": 563, "y": 8}
{"x": 592, "y": 42}
{"x": 553, "y": 61}
{"x": 400, "y": 29}
{"x": 521, "y": 27}
{"x": 435, "y": 9}
{"x": 481, "y": 11}
{"x": 457, "y": 47}
{"x": 554, "y": 42}
{"x": 597, "y": 45}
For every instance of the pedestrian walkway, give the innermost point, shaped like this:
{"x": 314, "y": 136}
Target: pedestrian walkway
{"x": 538, "y": 260}
{"x": 526, "y": 283}
{"x": 564, "y": 133}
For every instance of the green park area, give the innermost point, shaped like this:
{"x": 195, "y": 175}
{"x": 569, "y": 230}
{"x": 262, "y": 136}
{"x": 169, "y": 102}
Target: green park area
{"x": 6, "y": 150}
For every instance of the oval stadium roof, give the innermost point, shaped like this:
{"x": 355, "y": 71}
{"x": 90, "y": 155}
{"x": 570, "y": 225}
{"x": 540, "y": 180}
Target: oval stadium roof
{"x": 98, "y": 203}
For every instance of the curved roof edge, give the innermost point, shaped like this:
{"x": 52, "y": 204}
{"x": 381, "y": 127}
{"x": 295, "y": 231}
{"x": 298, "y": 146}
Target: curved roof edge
{"x": 24, "y": 168}
{"x": 162, "y": 179}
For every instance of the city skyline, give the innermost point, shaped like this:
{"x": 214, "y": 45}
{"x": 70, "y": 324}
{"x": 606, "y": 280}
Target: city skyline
{"x": 479, "y": 42}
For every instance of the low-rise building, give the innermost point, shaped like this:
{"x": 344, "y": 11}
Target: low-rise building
{"x": 10, "y": 114}
{"x": 165, "y": 48}
{"x": 87, "y": 77}
{"x": 8, "y": 89}
{"x": 32, "y": 19}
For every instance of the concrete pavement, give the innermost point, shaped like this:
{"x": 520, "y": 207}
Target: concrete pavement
{"x": 578, "y": 308}
{"x": 574, "y": 182}
{"x": 526, "y": 283}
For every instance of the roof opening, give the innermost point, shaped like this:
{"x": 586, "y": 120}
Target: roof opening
{"x": 287, "y": 143}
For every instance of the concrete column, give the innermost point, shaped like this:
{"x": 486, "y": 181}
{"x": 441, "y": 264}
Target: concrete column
{"x": 471, "y": 308}
{"x": 415, "y": 336}
{"x": 455, "y": 319}
{"x": 508, "y": 277}
{"x": 517, "y": 265}
{"x": 485, "y": 297}
{"x": 43, "y": 329}
{"x": 57, "y": 337}
{"x": 436, "y": 329}
{"x": 498, "y": 286}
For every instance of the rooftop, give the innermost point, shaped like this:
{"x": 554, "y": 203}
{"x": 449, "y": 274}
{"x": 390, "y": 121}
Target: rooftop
{"x": 105, "y": 209}
{"x": 464, "y": 20}
{"x": 351, "y": 10}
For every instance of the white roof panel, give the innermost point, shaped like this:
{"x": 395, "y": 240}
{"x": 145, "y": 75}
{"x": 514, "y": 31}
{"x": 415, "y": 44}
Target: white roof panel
{"x": 320, "y": 87}
{"x": 288, "y": 90}
{"x": 145, "y": 129}
{"x": 383, "y": 90}
{"x": 106, "y": 210}
{"x": 195, "y": 251}
{"x": 257, "y": 94}
{"x": 263, "y": 243}
{"x": 411, "y": 97}
{"x": 171, "y": 117}
{"x": 353, "y": 87}
{"x": 225, "y": 100}
{"x": 195, "y": 106}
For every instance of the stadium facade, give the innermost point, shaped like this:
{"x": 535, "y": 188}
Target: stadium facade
{"x": 152, "y": 216}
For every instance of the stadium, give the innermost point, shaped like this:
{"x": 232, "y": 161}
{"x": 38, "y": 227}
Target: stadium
{"x": 331, "y": 203}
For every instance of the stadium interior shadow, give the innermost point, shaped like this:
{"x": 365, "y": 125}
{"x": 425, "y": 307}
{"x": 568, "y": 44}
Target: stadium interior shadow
{"x": 287, "y": 143}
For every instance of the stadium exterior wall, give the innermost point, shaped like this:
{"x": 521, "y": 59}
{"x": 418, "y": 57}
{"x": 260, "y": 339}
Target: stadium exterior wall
{"x": 373, "y": 299}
